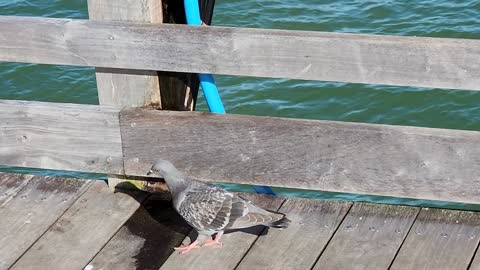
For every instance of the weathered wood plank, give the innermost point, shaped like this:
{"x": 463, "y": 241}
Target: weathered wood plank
{"x": 475, "y": 264}
{"x": 440, "y": 239}
{"x": 368, "y": 238}
{"x": 11, "y": 184}
{"x": 298, "y": 247}
{"x": 146, "y": 240}
{"x": 60, "y": 136}
{"x": 385, "y": 160}
{"x": 34, "y": 205}
{"x": 235, "y": 245}
{"x": 127, "y": 87}
{"x": 81, "y": 231}
{"x": 133, "y": 88}
{"x": 357, "y": 58}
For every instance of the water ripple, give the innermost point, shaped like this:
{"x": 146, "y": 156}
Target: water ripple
{"x": 282, "y": 97}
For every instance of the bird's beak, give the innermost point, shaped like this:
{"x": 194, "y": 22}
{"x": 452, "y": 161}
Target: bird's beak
{"x": 149, "y": 172}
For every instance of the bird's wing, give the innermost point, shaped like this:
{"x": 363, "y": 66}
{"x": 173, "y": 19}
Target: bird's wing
{"x": 253, "y": 215}
{"x": 210, "y": 208}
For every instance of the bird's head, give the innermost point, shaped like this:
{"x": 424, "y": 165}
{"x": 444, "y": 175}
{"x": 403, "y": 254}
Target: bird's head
{"x": 162, "y": 168}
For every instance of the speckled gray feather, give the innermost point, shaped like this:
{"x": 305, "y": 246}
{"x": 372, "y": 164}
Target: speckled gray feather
{"x": 209, "y": 208}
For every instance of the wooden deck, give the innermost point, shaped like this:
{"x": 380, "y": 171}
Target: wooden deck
{"x": 58, "y": 223}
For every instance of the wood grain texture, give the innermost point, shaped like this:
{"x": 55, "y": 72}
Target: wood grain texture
{"x": 385, "y": 160}
{"x": 81, "y": 231}
{"x": 133, "y": 88}
{"x": 440, "y": 239}
{"x": 298, "y": 247}
{"x": 60, "y": 136}
{"x": 235, "y": 244}
{"x": 136, "y": 88}
{"x": 127, "y": 87}
{"x": 368, "y": 238}
{"x": 357, "y": 58}
{"x": 475, "y": 264}
{"x": 146, "y": 240}
{"x": 35, "y": 203}
{"x": 11, "y": 184}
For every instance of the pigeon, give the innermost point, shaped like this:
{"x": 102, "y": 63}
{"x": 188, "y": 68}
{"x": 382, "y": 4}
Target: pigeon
{"x": 210, "y": 209}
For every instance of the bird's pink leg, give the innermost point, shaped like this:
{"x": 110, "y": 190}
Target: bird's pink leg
{"x": 216, "y": 241}
{"x": 184, "y": 249}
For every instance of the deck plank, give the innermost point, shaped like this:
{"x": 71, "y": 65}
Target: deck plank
{"x": 475, "y": 264}
{"x": 146, "y": 240}
{"x": 11, "y": 184}
{"x": 235, "y": 245}
{"x": 82, "y": 230}
{"x": 313, "y": 224}
{"x": 368, "y": 238}
{"x": 32, "y": 205}
{"x": 440, "y": 239}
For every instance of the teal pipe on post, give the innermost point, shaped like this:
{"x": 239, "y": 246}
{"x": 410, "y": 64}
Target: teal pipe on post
{"x": 209, "y": 88}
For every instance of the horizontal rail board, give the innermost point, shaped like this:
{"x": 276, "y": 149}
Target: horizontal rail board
{"x": 356, "y": 58}
{"x": 373, "y": 159}
{"x": 384, "y": 160}
{"x": 60, "y": 136}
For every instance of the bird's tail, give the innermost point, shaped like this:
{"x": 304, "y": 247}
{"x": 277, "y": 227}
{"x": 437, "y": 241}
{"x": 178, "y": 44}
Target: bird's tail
{"x": 281, "y": 223}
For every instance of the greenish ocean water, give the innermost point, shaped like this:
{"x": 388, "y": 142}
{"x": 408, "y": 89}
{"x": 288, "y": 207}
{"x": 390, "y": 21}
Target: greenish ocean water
{"x": 439, "y": 108}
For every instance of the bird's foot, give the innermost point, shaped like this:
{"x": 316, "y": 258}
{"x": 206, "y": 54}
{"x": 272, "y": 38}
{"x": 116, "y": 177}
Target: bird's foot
{"x": 216, "y": 241}
{"x": 184, "y": 249}
{"x": 212, "y": 242}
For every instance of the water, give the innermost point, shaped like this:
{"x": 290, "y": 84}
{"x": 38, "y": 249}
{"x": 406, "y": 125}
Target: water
{"x": 441, "y": 108}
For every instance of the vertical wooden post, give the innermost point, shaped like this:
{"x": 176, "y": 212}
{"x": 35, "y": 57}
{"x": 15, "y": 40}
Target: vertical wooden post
{"x": 127, "y": 87}
{"x": 134, "y": 88}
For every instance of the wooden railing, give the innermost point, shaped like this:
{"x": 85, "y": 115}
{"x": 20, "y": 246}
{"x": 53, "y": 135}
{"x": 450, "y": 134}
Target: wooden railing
{"x": 385, "y": 160}
{"x": 411, "y": 61}
{"x": 398, "y": 161}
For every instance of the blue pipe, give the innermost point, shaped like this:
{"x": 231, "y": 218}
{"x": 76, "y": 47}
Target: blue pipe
{"x": 209, "y": 88}
{"x": 192, "y": 12}
{"x": 210, "y": 92}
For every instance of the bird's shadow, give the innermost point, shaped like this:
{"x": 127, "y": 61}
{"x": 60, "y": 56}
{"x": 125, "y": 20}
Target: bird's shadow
{"x": 160, "y": 229}
{"x": 155, "y": 225}
{"x": 255, "y": 230}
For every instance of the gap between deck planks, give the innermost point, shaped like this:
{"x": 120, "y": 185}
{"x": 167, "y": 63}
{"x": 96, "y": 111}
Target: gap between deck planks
{"x": 146, "y": 240}
{"x": 440, "y": 239}
{"x": 298, "y": 247}
{"x": 320, "y": 218}
{"x": 29, "y": 205}
{"x": 365, "y": 236}
{"x": 368, "y": 238}
{"x": 79, "y": 231}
